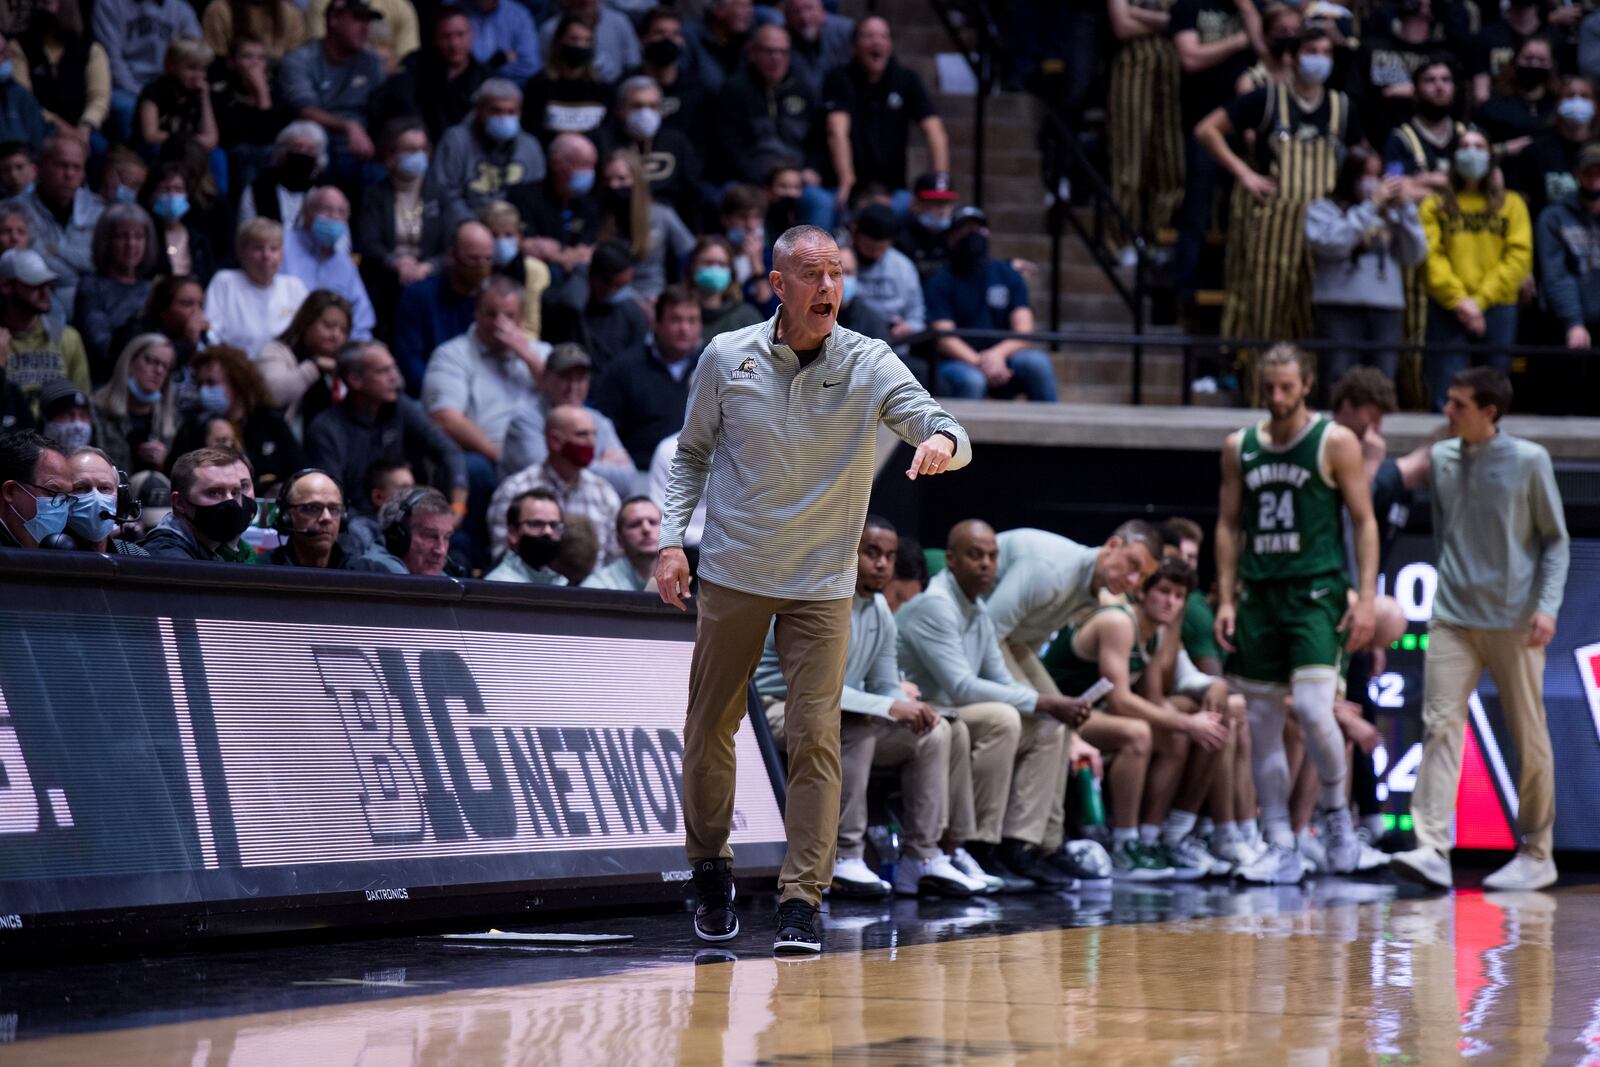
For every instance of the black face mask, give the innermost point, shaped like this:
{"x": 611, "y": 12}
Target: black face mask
{"x": 1532, "y": 77}
{"x": 970, "y": 252}
{"x": 225, "y": 521}
{"x": 617, "y": 201}
{"x": 295, "y": 172}
{"x": 1432, "y": 112}
{"x": 662, "y": 53}
{"x": 576, "y": 55}
{"x": 1588, "y": 196}
{"x": 1283, "y": 44}
{"x": 537, "y": 552}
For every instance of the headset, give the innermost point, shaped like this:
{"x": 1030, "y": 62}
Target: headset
{"x": 128, "y": 509}
{"x": 280, "y": 522}
{"x": 397, "y": 531}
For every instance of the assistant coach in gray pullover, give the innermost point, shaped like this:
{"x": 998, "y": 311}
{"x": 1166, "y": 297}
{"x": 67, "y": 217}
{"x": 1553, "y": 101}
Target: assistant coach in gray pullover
{"x": 779, "y": 438}
{"x": 1503, "y": 548}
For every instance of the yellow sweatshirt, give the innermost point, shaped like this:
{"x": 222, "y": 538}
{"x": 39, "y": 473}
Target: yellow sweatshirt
{"x": 1476, "y": 254}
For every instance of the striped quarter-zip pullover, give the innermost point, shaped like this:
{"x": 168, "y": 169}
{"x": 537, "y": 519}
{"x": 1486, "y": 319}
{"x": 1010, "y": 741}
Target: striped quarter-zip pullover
{"x": 784, "y": 457}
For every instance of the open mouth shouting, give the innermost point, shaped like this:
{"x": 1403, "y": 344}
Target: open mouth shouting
{"x": 824, "y": 310}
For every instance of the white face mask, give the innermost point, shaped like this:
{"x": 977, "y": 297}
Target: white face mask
{"x": 71, "y": 436}
{"x": 643, "y": 123}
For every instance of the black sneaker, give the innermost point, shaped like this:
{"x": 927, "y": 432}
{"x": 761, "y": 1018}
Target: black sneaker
{"x": 715, "y": 919}
{"x": 983, "y": 853}
{"x": 1023, "y": 860}
{"x": 798, "y": 931}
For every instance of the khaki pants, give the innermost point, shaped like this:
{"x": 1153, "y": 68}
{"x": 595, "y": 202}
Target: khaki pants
{"x": 1025, "y": 666}
{"x": 1456, "y": 658}
{"x": 983, "y": 756}
{"x": 812, "y": 638}
{"x": 867, "y": 741}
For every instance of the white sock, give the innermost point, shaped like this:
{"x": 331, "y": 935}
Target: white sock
{"x": 1227, "y": 833}
{"x": 1313, "y": 707}
{"x": 1277, "y": 831}
{"x": 1149, "y": 833}
{"x": 1124, "y": 835}
{"x": 1267, "y": 759}
{"x": 1206, "y": 826}
{"x": 1178, "y": 825}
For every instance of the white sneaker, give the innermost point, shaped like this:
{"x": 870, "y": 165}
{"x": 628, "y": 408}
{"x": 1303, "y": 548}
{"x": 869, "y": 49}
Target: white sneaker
{"x": 1342, "y": 846}
{"x": 935, "y": 877}
{"x": 1371, "y": 859}
{"x": 853, "y": 878}
{"x": 1423, "y": 865}
{"x": 1191, "y": 859}
{"x": 1312, "y": 850}
{"x": 1236, "y": 853}
{"x": 1277, "y": 866}
{"x": 980, "y": 880}
{"x": 1523, "y": 872}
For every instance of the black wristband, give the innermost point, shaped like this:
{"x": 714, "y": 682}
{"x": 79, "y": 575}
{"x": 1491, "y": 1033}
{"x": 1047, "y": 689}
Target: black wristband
{"x": 955, "y": 445}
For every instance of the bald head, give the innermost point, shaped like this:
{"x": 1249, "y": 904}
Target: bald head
{"x": 569, "y": 420}
{"x": 964, "y": 533}
{"x": 572, "y": 150}
{"x": 473, "y": 241}
{"x": 973, "y": 554}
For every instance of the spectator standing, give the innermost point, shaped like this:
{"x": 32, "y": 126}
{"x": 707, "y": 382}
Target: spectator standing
{"x": 1589, "y": 47}
{"x": 136, "y": 412}
{"x": 481, "y": 159}
{"x": 315, "y": 252}
{"x": 399, "y": 235}
{"x": 1364, "y": 239}
{"x": 924, "y": 237}
{"x": 570, "y": 440}
{"x": 566, "y": 380}
{"x": 1421, "y": 148}
{"x": 666, "y": 59}
{"x": 178, "y": 104}
{"x": 441, "y": 306}
{"x": 310, "y": 514}
{"x": 181, "y": 244}
{"x": 332, "y": 82}
{"x": 568, "y": 95}
{"x": 375, "y": 421}
{"x": 435, "y": 84}
{"x": 1383, "y": 82}
{"x": 416, "y": 536}
{"x": 136, "y": 34}
{"x": 505, "y": 40}
{"x": 279, "y": 25}
{"x": 124, "y": 251}
{"x": 231, "y": 388}
{"x": 1543, "y": 172}
{"x": 299, "y": 155}
{"x": 670, "y": 159}
{"x": 35, "y": 489}
{"x": 1503, "y": 555}
{"x": 858, "y": 315}
{"x": 213, "y": 504}
{"x": 657, "y": 238}
{"x": 614, "y": 327}
{"x": 887, "y": 279}
{"x": 249, "y": 306}
{"x": 1301, "y": 132}
{"x": 62, "y": 215}
{"x": 37, "y": 351}
{"x": 871, "y": 104}
{"x": 1569, "y": 254}
{"x": 718, "y": 41}
{"x": 644, "y": 396}
{"x": 820, "y": 40}
{"x": 300, "y": 366}
{"x": 1143, "y": 106}
{"x": 67, "y": 71}
{"x": 534, "y": 529}
{"x": 612, "y": 41}
{"x": 1494, "y": 55}
{"x": 639, "y": 536}
{"x": 1480, "y": 249}
{"x": 1523, "y": 103}
{"x": 722, "y": 303}
{"x": 977, "y": 292}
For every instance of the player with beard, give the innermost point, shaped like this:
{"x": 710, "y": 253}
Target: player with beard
{"x": 1282, "y": 595}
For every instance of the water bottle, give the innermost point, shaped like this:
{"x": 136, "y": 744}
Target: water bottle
{"x": 1091, "y": 808}
{"x": 885, "y": 842}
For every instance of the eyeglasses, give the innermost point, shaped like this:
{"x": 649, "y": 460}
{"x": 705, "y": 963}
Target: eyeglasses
{"x": 56, "y": 499}
{"x": 311, "y": 511}
{"x": 541, "y": 525}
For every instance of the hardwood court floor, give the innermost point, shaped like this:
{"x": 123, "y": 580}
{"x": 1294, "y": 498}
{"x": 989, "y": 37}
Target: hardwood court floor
{"x": 1265, "y": 976}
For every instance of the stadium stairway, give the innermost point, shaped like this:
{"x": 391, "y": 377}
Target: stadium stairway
{"x": 1015, "y": 200}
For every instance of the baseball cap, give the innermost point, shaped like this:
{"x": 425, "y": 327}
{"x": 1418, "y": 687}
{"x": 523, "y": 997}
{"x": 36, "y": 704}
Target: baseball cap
{"x": 26, "y": 266}
{"x": 1589, "y": 155}
{"x": 969, "y": 214}
{"x": 934, "y": 185}
{"x": 876, "y": 221}
{"x": 355, "y": 7}
{"x": 57, "y": 395}
{"x": 567, "y": 357}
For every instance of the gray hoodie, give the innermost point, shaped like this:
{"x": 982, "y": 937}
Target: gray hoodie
{"x": 136, "y": 34}
{"x": 1359, "y": 255}
{"x": 1567, "y": 242}
{"x": 469, "y": 170}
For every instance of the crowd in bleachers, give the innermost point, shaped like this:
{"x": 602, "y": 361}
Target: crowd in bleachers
{"x": 481, "y": 244}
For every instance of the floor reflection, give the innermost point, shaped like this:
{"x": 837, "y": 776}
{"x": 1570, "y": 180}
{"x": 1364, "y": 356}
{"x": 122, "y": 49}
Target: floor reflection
{"x": 1330, "y": 973}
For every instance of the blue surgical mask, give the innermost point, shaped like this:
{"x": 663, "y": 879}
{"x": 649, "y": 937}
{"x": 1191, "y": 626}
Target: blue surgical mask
{"x": 137, "y": 391}
{"x": 71, "y": 436}
{"x": 1578, "y": 110}
{"x": 1316, "y": 69}
{"x": 170, "y": 206}
{"x": 622, "y": 296}
{"x": 84, "y": 516}
{"x": 935, "y": 223}
{"x": 736, "y": 236}
{"x": 851, "y": 287}
{"x": 502, "y": 127}
{"x": 7, "y": 70}
{"x": 215, "y": 399}
{"x": 581, "y": 183}
{"x": 713, "y": 278}
{"x": 505, "y": 250}
{"x": 123, "y": 195}
{"x": 412, "y": 164}
{"x": 49, "y": 517}
{"x": 1472, "y": 162}
{"x": 328, "y": 232}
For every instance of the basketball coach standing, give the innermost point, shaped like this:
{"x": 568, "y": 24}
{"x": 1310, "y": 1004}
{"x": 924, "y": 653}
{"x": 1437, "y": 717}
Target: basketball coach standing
{"x": 779, "y": 438}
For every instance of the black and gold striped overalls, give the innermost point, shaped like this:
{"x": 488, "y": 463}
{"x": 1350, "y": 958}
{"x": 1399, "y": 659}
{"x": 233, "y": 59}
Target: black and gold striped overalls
{"x": 1273, "y": 300}
{"x": 1146, "y": 131}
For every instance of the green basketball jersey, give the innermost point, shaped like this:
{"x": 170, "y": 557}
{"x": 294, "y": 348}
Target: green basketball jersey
{"x": 1073, "y": 674}
{"x": 1291, "y": 508}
